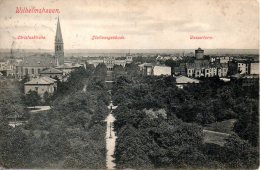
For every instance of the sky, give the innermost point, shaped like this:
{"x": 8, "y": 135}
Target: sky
{"x": 144, "y": 24}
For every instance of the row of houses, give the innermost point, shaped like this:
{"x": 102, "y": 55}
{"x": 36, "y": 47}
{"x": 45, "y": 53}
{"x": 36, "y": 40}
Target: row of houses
{"x": 244, "y": 71}
{"x": 150, "y": 69}
{"x": 221, "y": 66}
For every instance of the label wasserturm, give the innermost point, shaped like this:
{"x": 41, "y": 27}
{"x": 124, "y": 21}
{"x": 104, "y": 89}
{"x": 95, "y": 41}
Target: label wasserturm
{"x": 36, "y": 10}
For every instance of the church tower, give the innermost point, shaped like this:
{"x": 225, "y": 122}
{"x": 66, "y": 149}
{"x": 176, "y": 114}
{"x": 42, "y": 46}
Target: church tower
{"x": 59, "y": 50}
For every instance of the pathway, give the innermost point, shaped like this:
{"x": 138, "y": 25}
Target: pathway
{"x": 110, "y": 141}
{"x": 38, "y": 108}
{"x": 214, "y": 137}
{"x": 214, "y": 132}
{"x": 84, "y": 88}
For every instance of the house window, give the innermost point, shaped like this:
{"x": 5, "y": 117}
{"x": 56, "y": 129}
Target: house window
{"x": 32, "y": 70}
{"x": 39, "y": 70}
{"x": 36, "y": 88}
{"x": 207, "y": 71}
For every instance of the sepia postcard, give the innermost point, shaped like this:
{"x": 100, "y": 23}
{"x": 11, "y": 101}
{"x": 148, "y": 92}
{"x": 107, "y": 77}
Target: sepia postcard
{"x": 129, "y": 84}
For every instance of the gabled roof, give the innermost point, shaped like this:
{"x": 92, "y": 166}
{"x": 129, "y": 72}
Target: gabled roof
{"x": 184, "y": 80}
{"x": 161, "y": 66}
{"x": 41, "y": 81}
{"x": 51, "y": 80}
{"x": 146, "y": 65}
{"x": 38, "y": 60}
{"x": 51, "y": 71}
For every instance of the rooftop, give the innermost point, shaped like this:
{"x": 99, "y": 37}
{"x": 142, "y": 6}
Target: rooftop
{"x": 41, "y": 81}
{"x": 38, "y": 60}
{"x": 51, "y": 71}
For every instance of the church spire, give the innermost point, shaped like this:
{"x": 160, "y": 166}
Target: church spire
{"x": 59, "y": 50}
{"x": 58, "y": 37}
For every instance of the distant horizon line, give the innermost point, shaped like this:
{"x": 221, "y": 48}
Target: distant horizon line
{"x": 135, "y": 49}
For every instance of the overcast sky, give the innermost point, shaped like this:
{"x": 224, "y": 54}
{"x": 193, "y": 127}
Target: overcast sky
{"x": 145, "y": 24}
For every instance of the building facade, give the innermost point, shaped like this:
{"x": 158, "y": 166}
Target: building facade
{"x": 111, "y": 61}
{"x": 243, "y": 67}
{"x": 41, "y": 85}
{"x": 254, "y": 68}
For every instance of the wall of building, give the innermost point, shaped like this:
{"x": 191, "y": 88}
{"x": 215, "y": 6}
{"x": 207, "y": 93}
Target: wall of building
{"x": 162, "y": 70}
{"x": 254, "y": 69}
{"x": 111, "y": 61}
{"x": 40, "y": 89}
{"x": 30, "y": 71}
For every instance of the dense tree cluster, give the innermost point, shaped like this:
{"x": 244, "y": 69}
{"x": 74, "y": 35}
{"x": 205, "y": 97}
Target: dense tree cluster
{"x": 70, "y": 135}
{"x": 177, "y": 140}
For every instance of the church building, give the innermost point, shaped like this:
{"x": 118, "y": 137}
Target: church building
{"x": 33, "y": 65}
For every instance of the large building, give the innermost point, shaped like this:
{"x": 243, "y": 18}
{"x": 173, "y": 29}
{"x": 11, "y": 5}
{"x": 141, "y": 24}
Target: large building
{"x": 207, "y": 70}
{"x": 155, "y": 70}
{"x": 111, "y": 61}
{"x": 32, "y": 65}
{"x": 202, "y": 67}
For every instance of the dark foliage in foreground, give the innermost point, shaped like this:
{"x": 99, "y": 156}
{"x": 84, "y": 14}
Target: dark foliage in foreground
{"x": 149, "y": 139}
{"x": 70, "y": 135}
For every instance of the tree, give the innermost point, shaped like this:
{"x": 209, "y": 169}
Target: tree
{"x": 118, "y": 70}
{"x": 240, "y": 154}
{"x": 247, "y": 125}
{"x": 46, "y": 97}
{"x": 132, "y": 149}
{"x": 32, "y": 98}
{"x": 101, "y": 71}
{"x": 15, "y": 151}
{"x": 132, "y": 69}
